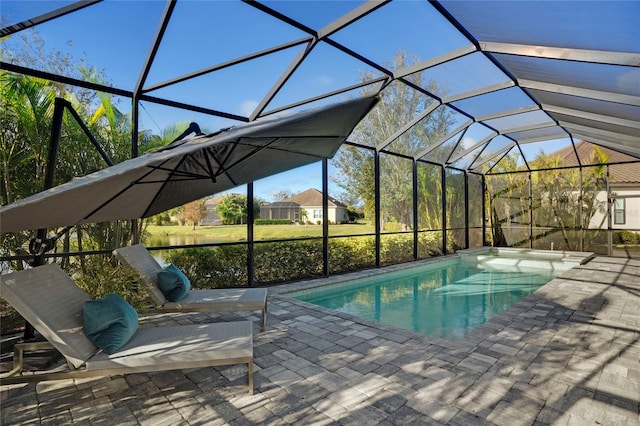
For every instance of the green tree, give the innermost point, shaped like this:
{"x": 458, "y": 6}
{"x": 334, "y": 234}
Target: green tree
{"x": 148, "y": 141}
{"x": 563, "y": 203}
{"x": 508, "y": 203}
{"x": 26, "y": 119}
{"x": 356, "y": 177}
{"x": 567, "y": 199}
{"x": 398, "y": 106}
{"x": 27, "y": 108}
{"x": 232, "y": 209}
{"x": 354, "y": 214}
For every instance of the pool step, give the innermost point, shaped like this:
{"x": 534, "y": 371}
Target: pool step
{"x": 525, "y": 258}
{"x": 496, "y": 261}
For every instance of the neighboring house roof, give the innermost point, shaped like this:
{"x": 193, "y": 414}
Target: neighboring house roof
{"x": 212, "y": 202}
{"x": 312, "y": 197}
{"x": 282, "y": 204}
{"x": 619, "y": 173}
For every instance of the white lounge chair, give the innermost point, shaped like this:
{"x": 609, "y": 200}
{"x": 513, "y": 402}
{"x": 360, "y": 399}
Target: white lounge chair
{"x": 208, "y": 300}
{"x": 49, "y": 299}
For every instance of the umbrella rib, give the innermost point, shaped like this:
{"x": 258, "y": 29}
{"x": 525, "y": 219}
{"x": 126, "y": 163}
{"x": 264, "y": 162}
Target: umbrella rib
{"x": 185, "y": 176}
{"x": 223, "y": 168}
{"x": 108, "y": 201}
{"x": 122, "y": 191}
{"x": 212, "y": 174}
{"x": 185, "y": 179}
{"x": 258, "y": 149}
{"x": 174, "y": 172}
{"x": 171, "y": 173}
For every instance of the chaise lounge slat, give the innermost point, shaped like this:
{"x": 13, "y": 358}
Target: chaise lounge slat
{"x": 48, "y": 298}
{"x": 209, "y": 300}
{"x": 163, "y": 348}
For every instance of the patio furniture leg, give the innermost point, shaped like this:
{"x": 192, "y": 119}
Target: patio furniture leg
{"x": 250, "y": 374}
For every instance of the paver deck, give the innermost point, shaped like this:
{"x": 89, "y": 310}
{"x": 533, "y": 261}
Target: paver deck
{"x": 566, "y": 355}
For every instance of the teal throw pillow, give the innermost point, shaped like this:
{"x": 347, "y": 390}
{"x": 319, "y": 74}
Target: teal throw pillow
{"x": 109, "y": 322}
{"x": 173, "y": 283}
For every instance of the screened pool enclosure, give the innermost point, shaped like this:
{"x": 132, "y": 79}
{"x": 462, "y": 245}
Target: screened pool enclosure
{"x": 498, "y": 123}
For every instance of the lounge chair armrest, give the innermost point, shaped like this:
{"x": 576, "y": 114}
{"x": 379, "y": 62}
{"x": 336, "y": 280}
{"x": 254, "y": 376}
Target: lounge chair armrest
{"x": 18, "y": 354}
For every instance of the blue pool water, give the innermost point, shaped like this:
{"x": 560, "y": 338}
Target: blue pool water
{"x": 445, "y": 300}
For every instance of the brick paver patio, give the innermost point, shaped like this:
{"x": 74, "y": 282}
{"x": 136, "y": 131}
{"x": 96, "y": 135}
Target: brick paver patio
{"x": 566, "y": 355}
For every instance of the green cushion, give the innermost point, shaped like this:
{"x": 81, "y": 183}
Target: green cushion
{"x": 109, "y": 322}
{"x": 173, "y": 283}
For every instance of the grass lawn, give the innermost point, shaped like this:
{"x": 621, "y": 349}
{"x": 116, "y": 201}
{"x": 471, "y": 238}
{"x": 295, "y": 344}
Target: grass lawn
{"x": 161, "y": 235}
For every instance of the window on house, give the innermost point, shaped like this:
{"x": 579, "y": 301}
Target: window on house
{"x": 618, "y": 211}
{"x": 317, "y": 214}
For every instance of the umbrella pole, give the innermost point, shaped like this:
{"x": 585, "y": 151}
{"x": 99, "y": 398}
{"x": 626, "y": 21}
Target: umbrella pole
{"x": 40, "y": 245}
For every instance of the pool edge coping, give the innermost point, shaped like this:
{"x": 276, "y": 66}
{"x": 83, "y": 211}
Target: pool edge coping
{"x": 468, "y": 341}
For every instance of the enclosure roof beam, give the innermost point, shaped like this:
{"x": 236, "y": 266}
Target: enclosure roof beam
{"x": 473, "y": 147}
{"x": 507, "y": 113}
{"x": 356, "y": 14}
{"x": 284, "y": 77}
{"x": 447, "y": 57}
{"x": 504, "y": 150}
{"x": 6, "y": 66}
{"x": 581, "y": 92}
{"x": 230, "y": 63}
{"x": 29, "y": 23}
{"x": 380, "y": 81}
{"x": 157, "y": 39}
{"x": 408, "y": 126}
{"x": 479, "y": 91}
{"x": 563, "y": 53}
{"x": 527, "y": 127}
{"x": 444, "y": 139}
{"x": 592, "y": 116}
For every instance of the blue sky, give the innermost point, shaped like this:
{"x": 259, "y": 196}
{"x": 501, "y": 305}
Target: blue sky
{"x": 116, "y": 35}
{"x": 122, "y": 52}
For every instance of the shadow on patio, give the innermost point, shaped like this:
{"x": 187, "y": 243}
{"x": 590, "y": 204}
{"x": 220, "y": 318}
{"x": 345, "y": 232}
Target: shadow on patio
{"x": 568, "y": 354}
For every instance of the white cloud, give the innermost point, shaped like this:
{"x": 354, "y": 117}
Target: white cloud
{"x": 629, "y": 80}
{"x": 324, "y": 80}
{"x": 467, "y": 142}
{"x": 247, "y": 107}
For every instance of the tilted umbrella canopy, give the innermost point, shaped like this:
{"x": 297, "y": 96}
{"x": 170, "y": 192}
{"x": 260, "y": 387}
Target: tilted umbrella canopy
{"x": 180, "y": 173}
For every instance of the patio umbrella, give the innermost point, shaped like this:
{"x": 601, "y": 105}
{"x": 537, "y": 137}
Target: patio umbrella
{"x": 189, "y": 170}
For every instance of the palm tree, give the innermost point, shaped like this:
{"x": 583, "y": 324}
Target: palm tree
{"x": 304, "y": 216}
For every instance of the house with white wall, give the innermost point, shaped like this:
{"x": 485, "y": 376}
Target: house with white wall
{"x": 624, "y": 186}
{"x": 310, "y": 201}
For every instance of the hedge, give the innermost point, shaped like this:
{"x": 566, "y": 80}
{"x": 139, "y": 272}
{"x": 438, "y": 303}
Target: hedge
{"x": 276, "y": 262}
{"x": 272, "y": 222}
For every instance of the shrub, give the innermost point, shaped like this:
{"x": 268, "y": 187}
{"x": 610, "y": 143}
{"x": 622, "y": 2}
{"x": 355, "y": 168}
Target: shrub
{"x": 626, "y": 237}
{"x": 216, "y": 267}
{"x": 429, "y": 244}
{"x": 351, "y": 254}
{"x": 10, "y": 319}
{"x": 392, "y": 227}
{"x": 396, "y": 248}
{"x": 286, "y": 261}
{"x": 272, "y": 222}
{"x": 99, "y": 277}
{"x": 275, "y": 262}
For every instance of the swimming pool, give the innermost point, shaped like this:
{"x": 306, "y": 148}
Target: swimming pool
{"x": 444, "y": 299}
